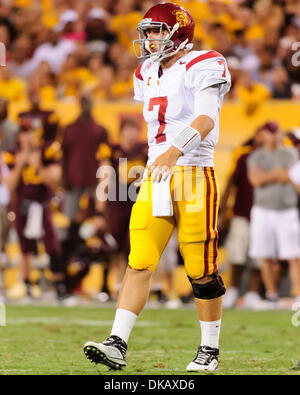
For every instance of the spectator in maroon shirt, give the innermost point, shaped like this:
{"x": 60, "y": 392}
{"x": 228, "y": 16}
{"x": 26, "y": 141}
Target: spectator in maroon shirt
{"x": 237, "y": 242}
{"x": 81, "y": 140}
{"x": 47, "y": 119}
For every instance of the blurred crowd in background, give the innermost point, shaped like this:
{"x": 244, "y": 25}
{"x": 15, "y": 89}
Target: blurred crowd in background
{"x": 60, "y": 47}
{"x": 60, "y": 51}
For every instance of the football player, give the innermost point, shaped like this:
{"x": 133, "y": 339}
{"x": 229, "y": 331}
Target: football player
{"x": 182, "y": 92}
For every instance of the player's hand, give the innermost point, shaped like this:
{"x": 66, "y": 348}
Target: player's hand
{"x": 163, "y": 165}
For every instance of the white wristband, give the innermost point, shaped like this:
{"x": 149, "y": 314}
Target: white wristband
{"x": 187, "y": 139}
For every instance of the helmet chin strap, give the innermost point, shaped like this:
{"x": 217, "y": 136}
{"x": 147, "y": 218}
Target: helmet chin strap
{"x": 154, "y": 57}
{"x": 183, "y": 45}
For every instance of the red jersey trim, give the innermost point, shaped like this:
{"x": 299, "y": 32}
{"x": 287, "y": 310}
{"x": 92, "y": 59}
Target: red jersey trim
{"x": 138, "y": 74}
{"x": 208, "y": 55}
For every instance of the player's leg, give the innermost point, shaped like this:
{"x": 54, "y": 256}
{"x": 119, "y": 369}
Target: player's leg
{"x": 207, "y": 292}
{"x": 198, "y": 246}
{"x": 148, "y": 238}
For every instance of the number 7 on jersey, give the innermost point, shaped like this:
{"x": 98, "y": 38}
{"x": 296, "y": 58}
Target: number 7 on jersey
{"x": 162, "y": 102}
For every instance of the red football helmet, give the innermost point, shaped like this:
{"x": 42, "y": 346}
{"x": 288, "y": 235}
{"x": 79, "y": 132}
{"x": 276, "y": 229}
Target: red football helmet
{"x": 165, "y": 16}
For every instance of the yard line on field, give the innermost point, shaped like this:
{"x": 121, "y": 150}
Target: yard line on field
{"x": 72, "y": 321}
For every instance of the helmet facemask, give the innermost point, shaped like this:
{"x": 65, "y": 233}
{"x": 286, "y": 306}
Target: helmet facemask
{"x": 165, "y": 44}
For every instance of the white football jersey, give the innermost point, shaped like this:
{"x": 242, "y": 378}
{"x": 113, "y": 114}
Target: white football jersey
{"x": 169, "y": 101}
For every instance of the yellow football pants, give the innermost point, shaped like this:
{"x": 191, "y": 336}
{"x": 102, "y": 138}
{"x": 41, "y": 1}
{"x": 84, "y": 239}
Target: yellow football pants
{"x": 195, "y": 197}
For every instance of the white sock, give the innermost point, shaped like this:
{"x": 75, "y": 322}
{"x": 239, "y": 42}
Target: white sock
{"x": 123, "y": 323}
{"x": 210, "y": 333}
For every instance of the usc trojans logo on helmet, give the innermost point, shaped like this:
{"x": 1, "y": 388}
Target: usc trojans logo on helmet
{"x": 181, "y": 18}
{"x": 164, "y": 17}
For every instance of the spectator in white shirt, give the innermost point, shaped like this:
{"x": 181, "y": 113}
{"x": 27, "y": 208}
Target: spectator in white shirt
{"x": 54, "y": 52}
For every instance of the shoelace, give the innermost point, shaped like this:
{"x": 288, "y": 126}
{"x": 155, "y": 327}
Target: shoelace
{"x": 202, "y": 357}
{"x": 116, "y": 342}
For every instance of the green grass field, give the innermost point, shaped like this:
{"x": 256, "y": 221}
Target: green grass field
{"x": 49, "y": 340}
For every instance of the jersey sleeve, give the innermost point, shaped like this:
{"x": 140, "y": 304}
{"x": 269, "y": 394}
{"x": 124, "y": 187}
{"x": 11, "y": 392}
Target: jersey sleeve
{"x": 206, "y": 70}
{"x": 138, "y": 82}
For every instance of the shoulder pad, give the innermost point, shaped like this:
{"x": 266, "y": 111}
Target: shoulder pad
{"x": 203, "y": 57}
{"x": 138, "y": 73}
{"x": 141, "y": 68}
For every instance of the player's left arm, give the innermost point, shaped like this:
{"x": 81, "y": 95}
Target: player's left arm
{"x": 198, "y": 130}
{"x": 208, "y": 79}
{"x": 190, "y": 137}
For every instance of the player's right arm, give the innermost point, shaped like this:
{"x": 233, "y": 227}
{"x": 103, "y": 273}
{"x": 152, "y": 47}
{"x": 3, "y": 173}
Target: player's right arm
{"x": 208, "y": 80}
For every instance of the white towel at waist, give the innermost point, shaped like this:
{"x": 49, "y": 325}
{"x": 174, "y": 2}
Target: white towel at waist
{"x": 162, "y": 205}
